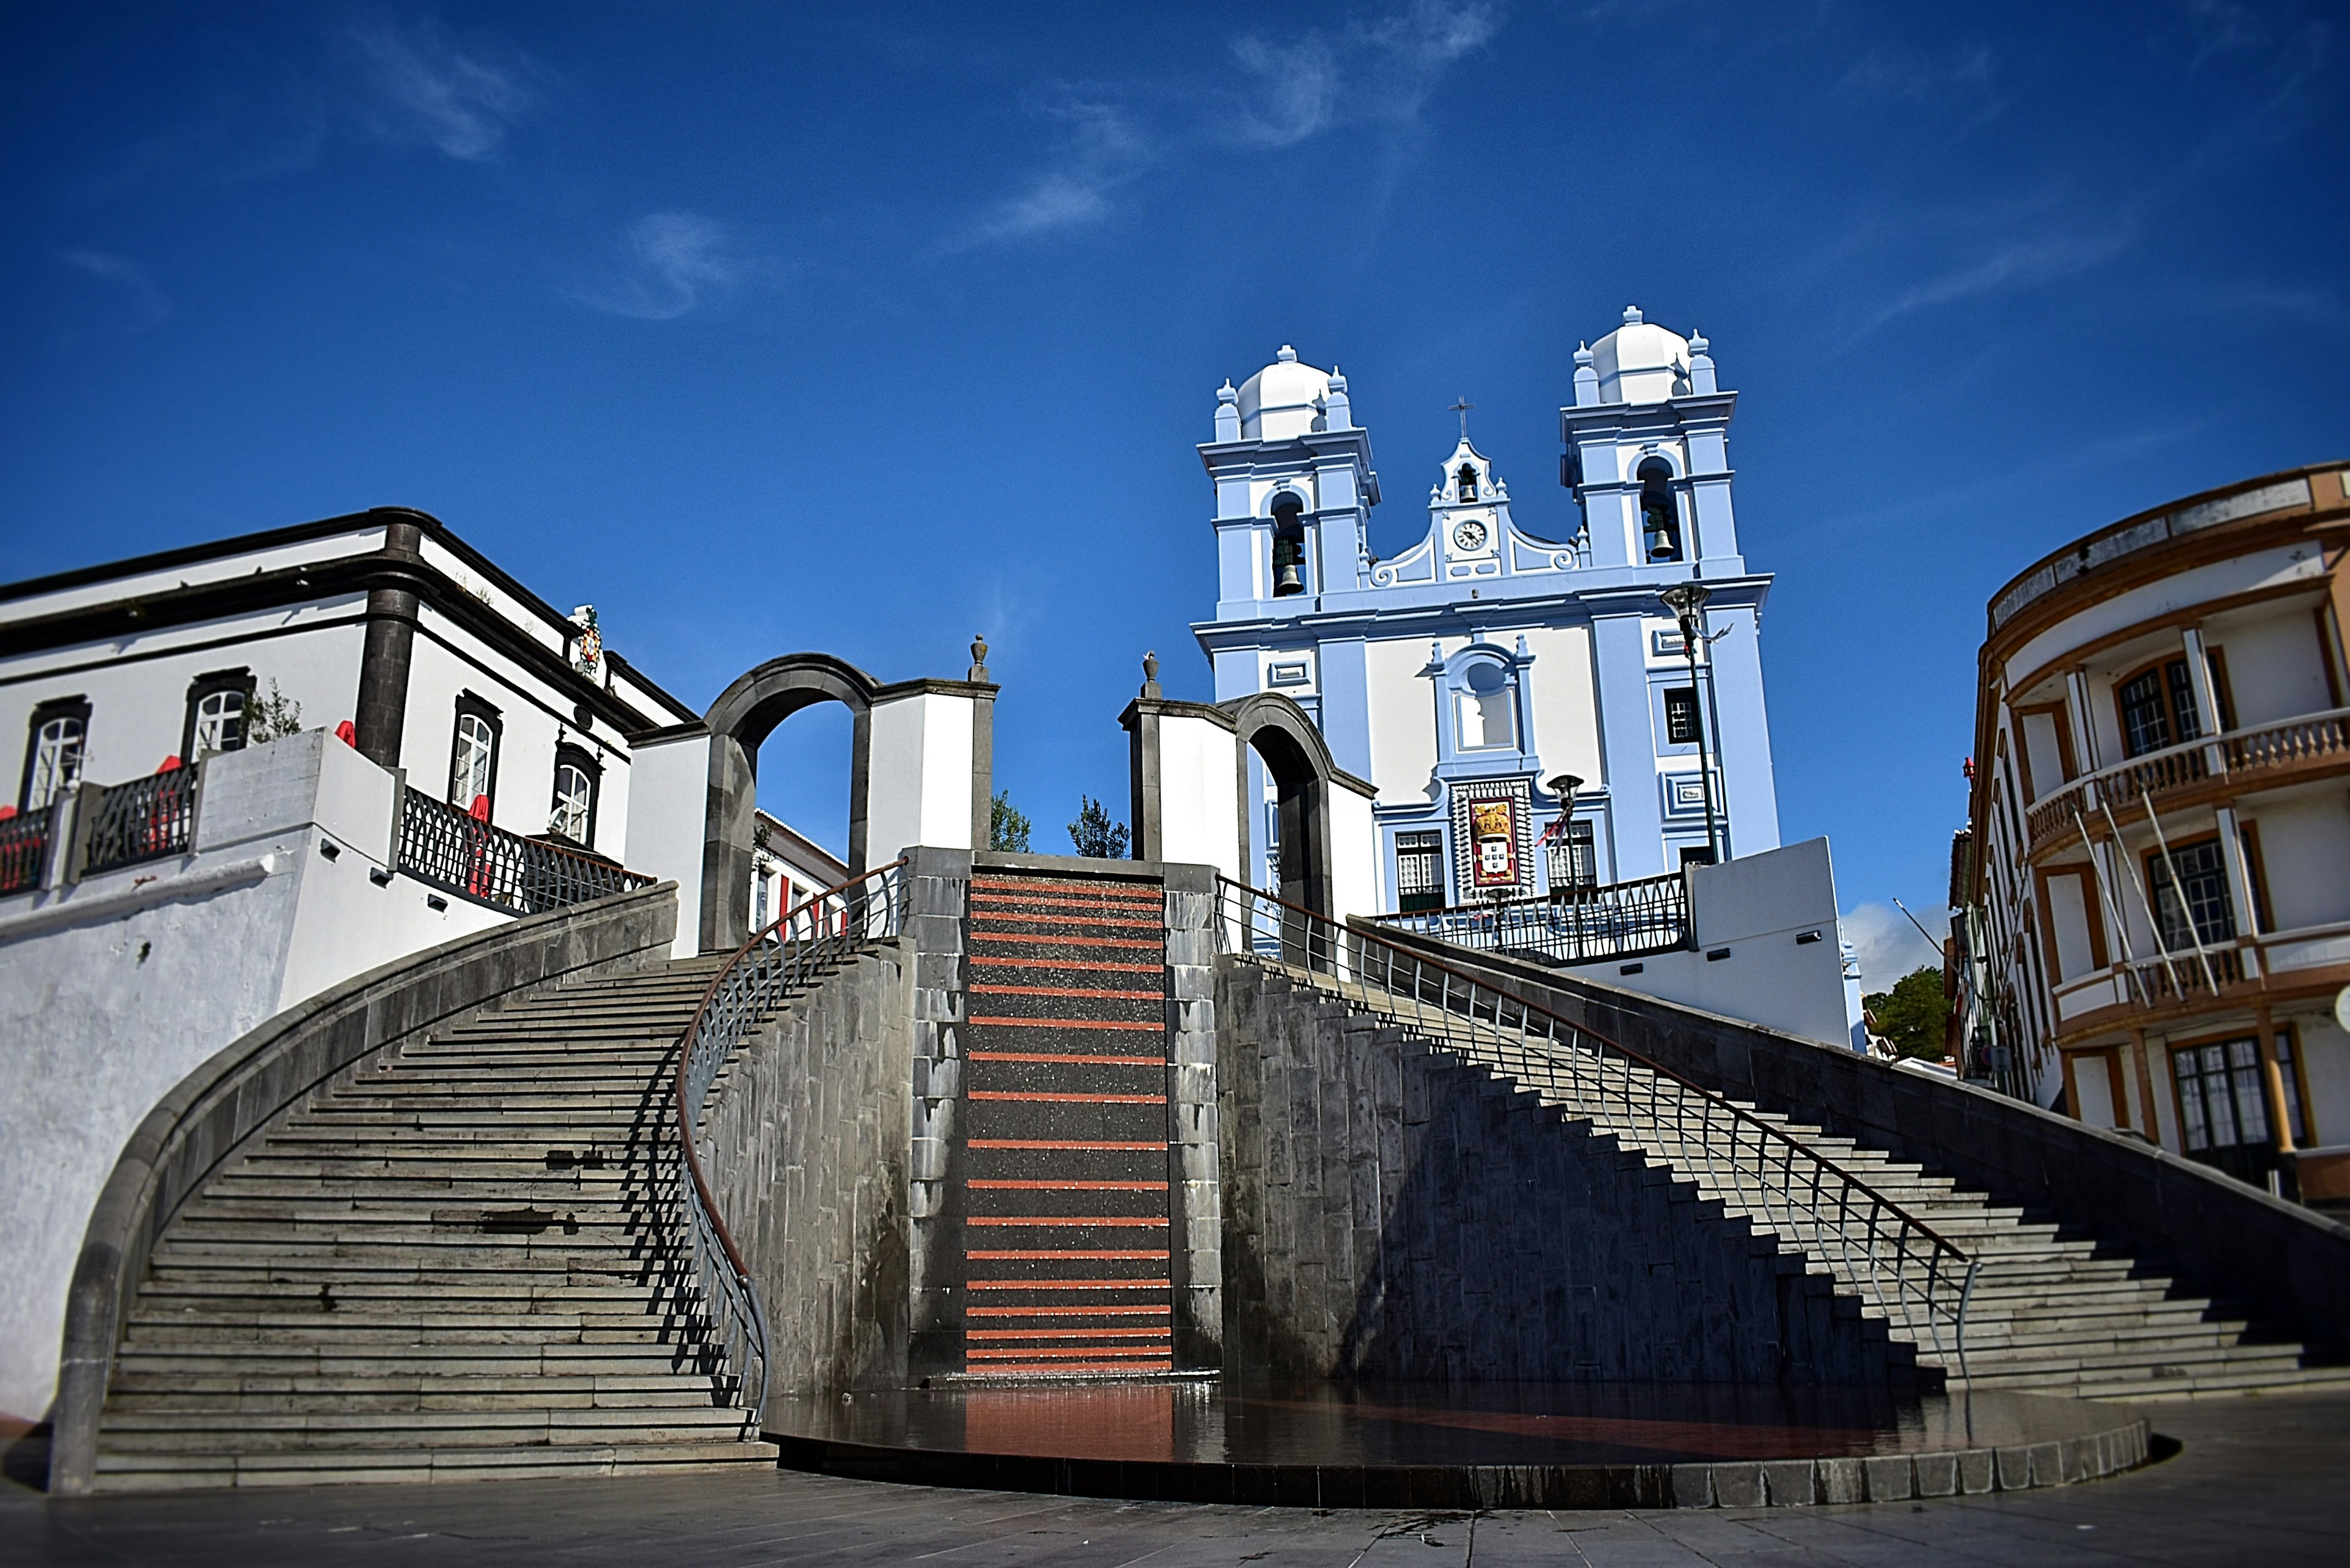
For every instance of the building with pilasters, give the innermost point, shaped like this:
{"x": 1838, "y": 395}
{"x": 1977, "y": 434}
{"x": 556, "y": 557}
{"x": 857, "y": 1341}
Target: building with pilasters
{"x": 1526, "y": 706}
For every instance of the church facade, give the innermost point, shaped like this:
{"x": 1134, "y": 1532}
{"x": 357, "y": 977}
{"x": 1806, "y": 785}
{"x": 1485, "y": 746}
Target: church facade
{"x": 1525, "y": 707}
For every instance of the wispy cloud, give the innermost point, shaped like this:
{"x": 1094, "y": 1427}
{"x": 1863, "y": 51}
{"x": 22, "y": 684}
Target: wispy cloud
{"x": 1384, "y": 68}
{"x": 672, "y": 263}
{"x": 1892, "y": 72}
{"x": 1290, "y": 88}
{"x": 1889, "y": 946}
{"x": 1101, "y": 149}
{"x": 135, "y": 304}
{"x": 429, "y": 91}
{"x": 2012, "y": 264}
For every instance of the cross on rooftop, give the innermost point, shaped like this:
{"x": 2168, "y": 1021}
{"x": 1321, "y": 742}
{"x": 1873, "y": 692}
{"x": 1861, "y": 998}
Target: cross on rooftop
{"x": 1463, "y": 408}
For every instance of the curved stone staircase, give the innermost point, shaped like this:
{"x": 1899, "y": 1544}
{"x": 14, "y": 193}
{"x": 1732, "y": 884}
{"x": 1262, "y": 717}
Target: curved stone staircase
{"x": 455, "y": 1261}
{"x": 2051, "y": 1311}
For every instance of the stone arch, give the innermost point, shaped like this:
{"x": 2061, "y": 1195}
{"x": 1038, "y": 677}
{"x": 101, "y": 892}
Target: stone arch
{"x": 1288, "y": 741}
{"x": 743, "y": 716}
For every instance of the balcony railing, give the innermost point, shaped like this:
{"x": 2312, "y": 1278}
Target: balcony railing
{"x": 145, "y": 820}
{"x": 2247, "y": 758}
{"x": 25, "y": 849}
{"x": 450, "y": 849}
{"x": 1572, "y": 926}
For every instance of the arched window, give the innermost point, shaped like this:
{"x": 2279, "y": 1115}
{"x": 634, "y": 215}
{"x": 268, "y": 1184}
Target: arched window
{"x": 53, "y": 753}
{"x": 473, "y": 753}
{"x": 573, "y": 813}
{"x": 1660, "y": 523}
{"x": 1288, "y": 545}
{"x": 1468, "y": 477}
{"x": 217, "y": 705}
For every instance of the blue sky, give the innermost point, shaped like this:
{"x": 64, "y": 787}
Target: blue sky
{"x": 865, "y": 328}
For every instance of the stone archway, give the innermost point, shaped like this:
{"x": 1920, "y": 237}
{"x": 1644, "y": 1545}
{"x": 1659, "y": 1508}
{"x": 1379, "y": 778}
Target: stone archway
{"x": 743, "y": 716}
{"x": 1288, "y": 741}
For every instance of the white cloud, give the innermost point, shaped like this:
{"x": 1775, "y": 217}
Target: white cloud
{"x": 1889, "y": 946}
{"x": 1101, "y": 151}
{"x": 2014, "y": 263}
{"x": 1381, "y": 70}
{"x": 1903, "y": 73}
{"x": 675, "y": 262}
{"x": 429, "y": 91}
{"x": 143, "y": 303}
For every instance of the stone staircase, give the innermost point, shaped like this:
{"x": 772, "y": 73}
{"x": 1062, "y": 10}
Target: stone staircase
{"x": 456, "y": 1262}
{"x": 2051, "y": 1311}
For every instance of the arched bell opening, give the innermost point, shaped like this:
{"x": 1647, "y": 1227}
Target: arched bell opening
{"x": 1288, "y": 545}
{"x": 740, "y": 721}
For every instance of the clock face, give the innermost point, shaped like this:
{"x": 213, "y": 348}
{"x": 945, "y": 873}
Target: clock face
{"x": 1470, "y": 535}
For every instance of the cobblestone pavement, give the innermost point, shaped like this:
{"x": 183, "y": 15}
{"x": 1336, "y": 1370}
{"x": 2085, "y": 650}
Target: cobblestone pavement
{"x": 2263, "y": 1481}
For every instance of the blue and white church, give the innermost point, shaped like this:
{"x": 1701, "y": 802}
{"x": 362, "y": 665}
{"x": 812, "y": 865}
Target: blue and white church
{"x": 1524, "y": 707}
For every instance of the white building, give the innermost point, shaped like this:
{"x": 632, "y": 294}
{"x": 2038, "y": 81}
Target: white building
{"x": 2155, "y": 878}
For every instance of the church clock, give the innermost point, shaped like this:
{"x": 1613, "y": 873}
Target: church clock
{"x": 1470, "y": 535}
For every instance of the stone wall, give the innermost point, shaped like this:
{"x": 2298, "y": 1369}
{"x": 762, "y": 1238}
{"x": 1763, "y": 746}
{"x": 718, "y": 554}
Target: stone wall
{"x": 805, "y": 1140}
{"x": 2282, "y": 1262}
{"x": 1392, "y": 1212}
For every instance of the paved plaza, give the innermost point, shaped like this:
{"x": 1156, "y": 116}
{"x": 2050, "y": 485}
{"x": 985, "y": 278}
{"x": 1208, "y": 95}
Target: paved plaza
{"x": 2263, "y": 1480}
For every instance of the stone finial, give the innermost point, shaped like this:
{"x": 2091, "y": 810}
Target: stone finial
{"x": 1586, "y": 379}
{"x": 1632, "y": 317}
{"x": 1287, "y": 356}
{"x": 1701, "y": 377}
{"x": 1150, "y": 686}
{"x": 978, "y": 657}
{"x": 1228, "y": 412}
{"x": 1226, "y": 394}
{"x": 1337, "y": 380}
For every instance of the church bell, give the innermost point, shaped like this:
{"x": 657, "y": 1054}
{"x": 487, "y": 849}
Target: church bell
{"x": 1286, "y": 580}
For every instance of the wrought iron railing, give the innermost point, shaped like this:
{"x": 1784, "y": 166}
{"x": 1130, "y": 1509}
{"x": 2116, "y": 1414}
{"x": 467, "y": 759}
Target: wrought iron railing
{"x": 764, "y": 972}
{"x": 25, "y": 849}
{"x": 1573, "y": 925}
{"x": 145, "y": 820}
{"x": 1918, "y": 1280}
{"x": 455, "y": 851}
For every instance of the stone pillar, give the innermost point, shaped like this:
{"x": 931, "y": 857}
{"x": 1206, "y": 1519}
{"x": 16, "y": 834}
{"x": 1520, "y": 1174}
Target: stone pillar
{"x": 937, "y": 893}
{"x": 1186, "y": 794}
{"x": 1194, "y": 1158}
{"x": 379, "y": 716}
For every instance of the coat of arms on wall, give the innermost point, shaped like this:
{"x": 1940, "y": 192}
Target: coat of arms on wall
{"x": 1493, "y": 843}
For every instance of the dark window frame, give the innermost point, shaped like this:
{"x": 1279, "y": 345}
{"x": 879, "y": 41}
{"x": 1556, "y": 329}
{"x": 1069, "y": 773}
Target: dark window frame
{"x": 2172, "y": 929}
{"x": 571, "y": 754}
{"x": 2178, "y": 707}
{"x": 1417, "y": 845}
{"x": 55, "y": 708}
{"x": 210, "y": 684}
{"x": 1686, "y": 708}
{"x": 469, "y": 702}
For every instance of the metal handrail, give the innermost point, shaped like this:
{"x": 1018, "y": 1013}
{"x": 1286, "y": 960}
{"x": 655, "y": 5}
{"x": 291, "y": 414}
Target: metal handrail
{"x": 1571, "y": 925}
{"x": 145, "y": 820}
{"x": 1910, "y": 1270}
{"x": 455, "y": 851}
{"x": 741, "y": 997}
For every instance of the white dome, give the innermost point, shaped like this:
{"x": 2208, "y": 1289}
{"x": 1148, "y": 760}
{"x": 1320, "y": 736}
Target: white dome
{"x": 1640, "y": 362}
{"x": 1278, "y": 401}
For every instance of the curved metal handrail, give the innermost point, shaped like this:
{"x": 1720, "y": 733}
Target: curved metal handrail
{"x": 866, "y": 908}
{"x": 1813, "y": 1190}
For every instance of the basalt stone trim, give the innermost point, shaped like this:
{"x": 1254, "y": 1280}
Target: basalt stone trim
{"x": 235, "y": 1094}
{"x": 1740, "y": 1484}
{"x": 938, "y": 884}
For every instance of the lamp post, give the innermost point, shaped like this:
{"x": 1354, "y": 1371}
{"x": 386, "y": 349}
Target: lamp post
{"x": 1686, "y": 601}
{"x": 1563, "y": 786}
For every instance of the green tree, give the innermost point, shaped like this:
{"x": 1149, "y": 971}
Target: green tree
{"x": 1094, "y": 834}
{"x": 1910, "y": 1017}
{"x": 1007, "y": 824}
{"x": 271, "y": 718}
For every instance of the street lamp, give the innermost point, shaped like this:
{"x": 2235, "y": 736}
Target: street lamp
{"x": 1563, "y": 786}
{"x": 1686, "y": 601}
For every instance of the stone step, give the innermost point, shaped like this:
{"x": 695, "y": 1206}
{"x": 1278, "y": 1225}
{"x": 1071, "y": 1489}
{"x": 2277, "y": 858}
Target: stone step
{"x": 320, "y": 1466}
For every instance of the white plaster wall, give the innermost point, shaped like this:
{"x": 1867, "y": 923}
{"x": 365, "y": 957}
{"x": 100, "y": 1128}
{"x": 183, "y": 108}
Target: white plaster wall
{"x": 2150, "y": 601}
{"x": 114, "y": 990}
{"x": 2276, "y": 667}
{"x": 2305, "y": 845}
{"x": 669, "y": 790}
{"x": 919, "y": 776}
{"x": 447, "y": 661}
{"x": 1403, "y": 721}
{"x": 1565, "y": 702}
{"x": 2095, "y": 1085}
{"x": 2068, "y": 905}
{"x": 138, "y": 690}
{"x": 2042, "y": 748}
{"x": 445, "y": 561}
{"x": 2325, "y": 1065}
{"x": 1198, "y": 795}
{"x": 1354, "y": 855}
{"x": 1756, "y": 907}
{"x": 331, "y": 547}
